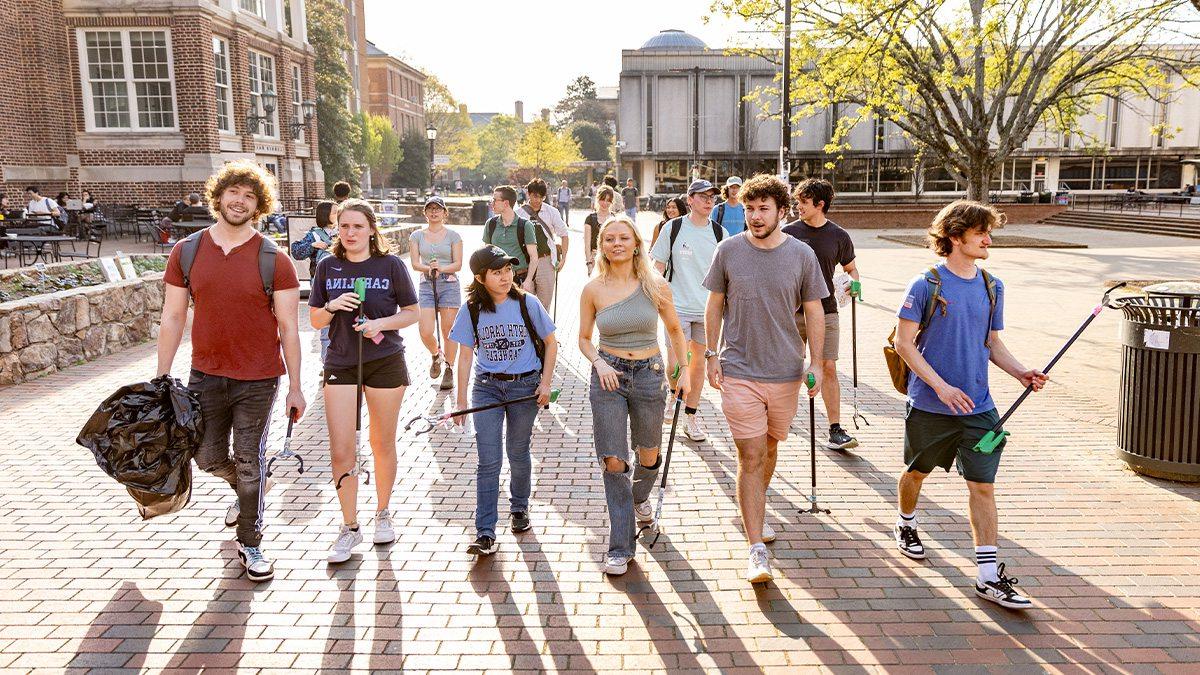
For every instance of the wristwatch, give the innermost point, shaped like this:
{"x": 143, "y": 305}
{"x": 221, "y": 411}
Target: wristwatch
{"x": 708, "y": 354}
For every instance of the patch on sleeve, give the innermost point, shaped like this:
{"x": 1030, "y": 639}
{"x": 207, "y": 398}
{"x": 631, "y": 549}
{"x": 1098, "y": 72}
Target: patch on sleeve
{"x": 908, "y": 302}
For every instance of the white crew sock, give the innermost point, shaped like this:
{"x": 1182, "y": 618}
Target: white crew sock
{"x": 985, "y": 558}
{"x": 907, "y": 520}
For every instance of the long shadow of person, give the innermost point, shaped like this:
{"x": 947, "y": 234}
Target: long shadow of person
{"x": 120, "y": 634}
{"x": 387, "y": 641}
{"x": 215, "y": 639}
{"x": 567, "y": 653}
{"x": 342, "y": 638}
{"x": 489, "y": 582}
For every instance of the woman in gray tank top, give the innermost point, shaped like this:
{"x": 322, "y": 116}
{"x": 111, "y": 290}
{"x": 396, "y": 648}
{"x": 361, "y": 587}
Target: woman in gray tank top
{"x": 625, "y": 302}
{"x": 436, "y": 253}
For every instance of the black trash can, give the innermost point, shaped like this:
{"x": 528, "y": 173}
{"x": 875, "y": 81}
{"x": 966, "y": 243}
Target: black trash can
{"x": 479, "y": 212}
{"x": 1158, "y": 423}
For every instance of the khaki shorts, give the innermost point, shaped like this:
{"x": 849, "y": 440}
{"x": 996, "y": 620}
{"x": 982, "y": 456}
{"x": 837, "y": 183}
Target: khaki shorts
{"x": 693, "y": 329}
{"x": 754, "y": 409}
{"x": 832, "y": 335}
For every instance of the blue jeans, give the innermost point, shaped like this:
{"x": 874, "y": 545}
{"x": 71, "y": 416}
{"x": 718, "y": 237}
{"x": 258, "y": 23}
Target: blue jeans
{"x": 636, "y": 405}
{"x": 631, "y": 211}
{"x": 489, "y": 430}
{"x": 564, "y": 210}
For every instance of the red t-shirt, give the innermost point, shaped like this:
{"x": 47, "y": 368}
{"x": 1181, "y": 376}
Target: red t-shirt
{"x": 234, "y": 331}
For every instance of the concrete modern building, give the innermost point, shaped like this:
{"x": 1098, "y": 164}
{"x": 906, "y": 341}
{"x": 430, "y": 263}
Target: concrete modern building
{"x": 683, "y": 110}
{"x": 141, "y": 102}
{"x": 395, "y": 90}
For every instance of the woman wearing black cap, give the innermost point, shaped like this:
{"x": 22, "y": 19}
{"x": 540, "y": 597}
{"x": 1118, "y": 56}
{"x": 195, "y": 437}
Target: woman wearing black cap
{"x": 510, "y": 338}
{"x": 436, "y": 251}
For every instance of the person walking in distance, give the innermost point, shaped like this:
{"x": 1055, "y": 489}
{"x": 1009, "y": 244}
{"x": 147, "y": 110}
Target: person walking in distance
{"x": 593, "y": 222}
{"x": 436, "y": 253}
{"x": 242, "y": 318}
{"x": 564, "y": 201}
{"x": 625, "y": 302}
{"x": 949, "y": 329}
{"x": 833, "y": 247}
{"x": 757, "y": 282}
{"x": 361, "y": 252}
{"x": 618, "y": 201}
{"x": 629, "y": 194}
{"x": 515, "y": 235}
{"x": 729, "y": 214}
{"x": 547, "y": 224}
{"x": 314, "y": 247}
{"x": 682, "y": 254}
{"x": 675, "y": 207}
{"x": 509, "y": 337}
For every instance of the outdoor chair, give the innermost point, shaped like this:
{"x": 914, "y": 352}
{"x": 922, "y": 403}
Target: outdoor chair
{"x": 95, "y": 235}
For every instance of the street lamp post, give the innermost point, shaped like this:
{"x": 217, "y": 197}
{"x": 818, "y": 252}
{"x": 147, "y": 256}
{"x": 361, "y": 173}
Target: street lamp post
{"x": 431, "y": 134}
{"x": 264, "y": 102}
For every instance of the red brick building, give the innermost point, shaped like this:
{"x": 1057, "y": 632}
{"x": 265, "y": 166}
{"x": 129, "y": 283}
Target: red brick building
{"x": 141, "y": 102}
{"x": 395, "y": 90}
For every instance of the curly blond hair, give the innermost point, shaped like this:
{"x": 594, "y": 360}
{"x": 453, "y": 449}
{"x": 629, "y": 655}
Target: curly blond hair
{"x": 959, "y": 217}
{"x": 243, "y": 172}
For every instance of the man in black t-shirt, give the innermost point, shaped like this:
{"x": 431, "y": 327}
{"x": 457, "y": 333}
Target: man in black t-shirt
{"x": 833, "y": 247}
{"x": 630, "y": 196}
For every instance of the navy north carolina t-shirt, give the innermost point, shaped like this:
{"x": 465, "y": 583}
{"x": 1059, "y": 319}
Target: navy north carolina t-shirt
{"x": 954, "y": 344}
{"x": 389, "y": 288}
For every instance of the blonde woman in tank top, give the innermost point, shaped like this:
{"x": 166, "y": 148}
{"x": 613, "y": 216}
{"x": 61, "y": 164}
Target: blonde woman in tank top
{"x": 625, "y": 301}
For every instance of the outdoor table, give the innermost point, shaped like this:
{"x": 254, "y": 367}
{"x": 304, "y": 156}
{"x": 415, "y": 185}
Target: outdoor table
{"x": 185, "y": 228}
{"x": 39, "y": 251}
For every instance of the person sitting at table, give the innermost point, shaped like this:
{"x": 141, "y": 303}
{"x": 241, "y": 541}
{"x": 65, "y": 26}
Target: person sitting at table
{"x": 64, "y": 216}
{"x": 41, "y": 211}
{"x": 3, "y": 206}
{"x": 87, "y": 216}
{"x": 186, "y": 210}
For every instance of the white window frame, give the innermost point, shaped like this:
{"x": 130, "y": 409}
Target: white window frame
{"x": 298, "y": 101}
{"x": 879, "y": 134}
{"x": 274, "y": 116}
{"x": 89, "y": 112}
{"x": 256, "y": 10}
{"x": 227, "y": 104}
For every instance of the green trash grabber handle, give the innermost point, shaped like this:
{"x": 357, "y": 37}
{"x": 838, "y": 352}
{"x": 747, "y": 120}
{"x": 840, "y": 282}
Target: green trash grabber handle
{"x": 993, "y": 438}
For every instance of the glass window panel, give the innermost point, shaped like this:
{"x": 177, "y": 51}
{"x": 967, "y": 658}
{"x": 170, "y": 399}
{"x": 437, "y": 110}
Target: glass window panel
{"x": 221, "y": 80}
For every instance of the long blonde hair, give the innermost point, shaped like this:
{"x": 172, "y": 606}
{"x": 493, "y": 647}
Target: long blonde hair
{"x": 653, "y": 284}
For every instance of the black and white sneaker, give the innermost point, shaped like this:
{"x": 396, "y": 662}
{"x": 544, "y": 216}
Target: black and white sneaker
{"x": 520, "y": 521}
{"x": 839, "y": 439}
{"x": 909, "y": 543}
{"x": 483, "y": 546}
{"x": 258, "y": 568}
{"x": 1002, "y": 591}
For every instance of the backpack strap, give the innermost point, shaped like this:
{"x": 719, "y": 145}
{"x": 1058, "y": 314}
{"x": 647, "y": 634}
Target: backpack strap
{"x": 989, "y": 282}
{"x": 473, "y": 310}
{"x": 934, "y": 279}
{"x": 267, "y": 251}
{"x": 718, "y": 231}
{"x": 489, "y": 228}
{"x": 676, "y": 225}
{"x": 720, "y": 219}
{"x": 188, "y": 248}
{"x": 520, "y": 225}
{"x": 539, "y": 346}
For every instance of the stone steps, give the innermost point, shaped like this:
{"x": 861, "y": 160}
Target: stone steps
{"x": 1098, "y": 220}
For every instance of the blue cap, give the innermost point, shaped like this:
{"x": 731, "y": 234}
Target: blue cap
{"x": 434, "y": 200}
{"x": 700, "y": 185}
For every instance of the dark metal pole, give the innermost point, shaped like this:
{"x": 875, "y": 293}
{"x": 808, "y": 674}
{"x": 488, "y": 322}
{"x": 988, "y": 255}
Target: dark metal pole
{"x": 432, "y": 169}
{"x": 785, "y": 142}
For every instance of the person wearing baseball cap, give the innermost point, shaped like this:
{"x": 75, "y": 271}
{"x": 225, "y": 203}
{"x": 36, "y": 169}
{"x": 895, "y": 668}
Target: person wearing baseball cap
{"x": 730, "y": 214}
{"x": 682, "y": 253}
{"x": 508, "y": 336}
{"x": 436, "y": 253}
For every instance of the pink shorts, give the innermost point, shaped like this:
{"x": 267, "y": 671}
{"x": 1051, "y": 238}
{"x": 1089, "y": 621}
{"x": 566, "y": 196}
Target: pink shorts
{"x": 755, "y": 409}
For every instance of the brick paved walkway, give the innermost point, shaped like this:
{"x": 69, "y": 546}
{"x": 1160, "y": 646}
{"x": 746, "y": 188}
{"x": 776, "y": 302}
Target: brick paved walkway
{"x": 1108, "y": 556}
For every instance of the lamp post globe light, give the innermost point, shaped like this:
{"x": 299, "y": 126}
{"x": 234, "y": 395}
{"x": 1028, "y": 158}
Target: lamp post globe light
{"x": 308, "y": 110}
{"x": 431, "y": 134}
{"x": 264, "y": 102}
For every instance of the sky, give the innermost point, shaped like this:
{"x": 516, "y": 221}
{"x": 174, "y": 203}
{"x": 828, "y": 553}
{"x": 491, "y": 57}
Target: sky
{"x": 490, "y": 54}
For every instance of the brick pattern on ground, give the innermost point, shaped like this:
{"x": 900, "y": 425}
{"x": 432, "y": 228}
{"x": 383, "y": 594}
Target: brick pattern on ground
{"x": 1108, "y": 556}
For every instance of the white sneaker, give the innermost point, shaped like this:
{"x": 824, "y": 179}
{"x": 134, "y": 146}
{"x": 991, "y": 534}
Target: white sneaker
{"x": 258, "y": 568}
{"x": 384, "y": 533}
{"x": 758, "y": 569}
{"x": 693, "y": 430}
{"x": 768, "y": 534}
{"x": 644, "y": 512}
{"x": 1003, "y": 591}
{"x": 346, "y": 541}
{"x": 616, "y": 565}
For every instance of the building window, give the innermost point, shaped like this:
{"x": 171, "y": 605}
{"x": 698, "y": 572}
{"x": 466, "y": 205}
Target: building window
{"x": 287, "y": 18}
{"x": 221, "y": 77}
{"x": 254, "y": 7}
{"x": 649, "y": 115}
{"x": 128, "y": 80}
{"x": 1114, "y": 121}
{"x": 880, "y": 134}
{"x": 297, "y": 97}
{"x": 262, "y": 80}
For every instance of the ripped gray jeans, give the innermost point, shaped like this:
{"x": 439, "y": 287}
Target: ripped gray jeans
{"x": 633, "y": 412}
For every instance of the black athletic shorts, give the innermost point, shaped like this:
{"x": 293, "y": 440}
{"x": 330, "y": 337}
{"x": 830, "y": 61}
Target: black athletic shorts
{"x": 386, "y": 373}
{"x": 932, "y": 440}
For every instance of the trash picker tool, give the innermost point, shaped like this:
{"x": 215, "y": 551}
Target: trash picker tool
{"x": 811, "y": 382}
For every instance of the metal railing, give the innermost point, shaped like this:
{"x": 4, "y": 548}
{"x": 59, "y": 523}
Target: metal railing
{"x": 1178, "y": 206}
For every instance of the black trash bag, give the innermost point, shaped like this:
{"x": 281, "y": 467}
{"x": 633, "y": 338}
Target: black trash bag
{"x": 144, "y": 436}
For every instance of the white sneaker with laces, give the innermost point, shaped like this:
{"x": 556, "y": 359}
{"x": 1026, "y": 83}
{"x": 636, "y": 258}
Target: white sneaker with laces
{"x": 1003, "y": 591}
{"x": 616, "y": 565}
{"x": 384, "y": 532}
{"x": 758, "y": 570}
{"x": 644, "y": 512}
{"x": 258, "y": 568}
{"x": 344, "y": 544}
{"x": 693, "y": 430}
{"x": 768, "y": 534}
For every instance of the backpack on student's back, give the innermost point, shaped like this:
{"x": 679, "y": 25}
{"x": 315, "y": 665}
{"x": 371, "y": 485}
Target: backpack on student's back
{"x": 489, "y": 229}
{"x": 539, "y": 345}
{"x": 720, "y": 217}
{"x": 676, "y": 225}
{"x": 539, "y": 230}
{"x": 897, "y": 367}
{"x": 267, "y": 249}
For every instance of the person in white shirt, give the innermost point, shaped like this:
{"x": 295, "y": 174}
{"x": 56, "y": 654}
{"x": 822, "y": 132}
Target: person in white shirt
{"x": 549, "y": 224}
{"x": 564, "y": 201}
{"x": 42, "y": 209}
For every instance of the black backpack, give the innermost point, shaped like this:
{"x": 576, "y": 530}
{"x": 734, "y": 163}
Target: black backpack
{"x": 489, "y": 229}
{"x": 539, "y": 230}
{"x": 539, "y": 345}
{"x": 676, "y": 225}
{"x": 190, "y": 246}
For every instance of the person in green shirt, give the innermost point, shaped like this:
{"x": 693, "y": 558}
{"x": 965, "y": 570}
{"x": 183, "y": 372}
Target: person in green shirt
{"x": 502, "y": 230}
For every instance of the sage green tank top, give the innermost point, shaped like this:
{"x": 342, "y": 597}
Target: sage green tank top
{"x": 630, "y": 324}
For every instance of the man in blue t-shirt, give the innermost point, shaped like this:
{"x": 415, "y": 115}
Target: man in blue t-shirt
{"x": 950, "y": 407}
{"x": 730, "y": 213}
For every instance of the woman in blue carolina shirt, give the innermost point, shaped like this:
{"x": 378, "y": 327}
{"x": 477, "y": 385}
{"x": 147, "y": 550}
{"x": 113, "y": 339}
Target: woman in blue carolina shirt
{"x": 494, "y": 326}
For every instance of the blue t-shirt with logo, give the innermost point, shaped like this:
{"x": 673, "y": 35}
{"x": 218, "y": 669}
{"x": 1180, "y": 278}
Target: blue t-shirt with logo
{"x": 389, "y": 288}
{"x": 954, "y": 344}
{"x": 733, "y": 219}
{"x": 504, "y": 344}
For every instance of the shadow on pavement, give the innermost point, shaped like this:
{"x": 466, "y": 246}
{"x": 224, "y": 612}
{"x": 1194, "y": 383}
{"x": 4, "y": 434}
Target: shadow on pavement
{"x": 120, "y": 635}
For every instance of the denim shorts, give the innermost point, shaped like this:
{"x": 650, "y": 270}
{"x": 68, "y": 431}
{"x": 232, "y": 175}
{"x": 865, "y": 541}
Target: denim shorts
{"x": 633, "y": 410}
{"x": 448, "y": 293}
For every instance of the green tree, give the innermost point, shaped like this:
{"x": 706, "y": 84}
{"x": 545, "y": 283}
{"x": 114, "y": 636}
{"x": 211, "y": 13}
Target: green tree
{"x": 498, "y": 142}
{"x": 413, "y": 168}
{"x": 969, "y": 81}
{"x": 455, "y": 137}
{"x": 544, "y": 150}
{"x": 580, "y": 105}
{"x": 378, "y": 146}
{"x": 595, "y": 144}
{"x": 337, "y": 131}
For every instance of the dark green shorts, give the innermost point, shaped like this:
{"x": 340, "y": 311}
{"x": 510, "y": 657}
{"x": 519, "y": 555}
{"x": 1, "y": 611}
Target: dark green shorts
{"x": 932, "y": 440}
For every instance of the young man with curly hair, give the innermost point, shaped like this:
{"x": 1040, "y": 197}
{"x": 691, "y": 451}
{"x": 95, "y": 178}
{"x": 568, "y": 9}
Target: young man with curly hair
{"x": 950, "y": 323}
{"x": 238, "y": 330}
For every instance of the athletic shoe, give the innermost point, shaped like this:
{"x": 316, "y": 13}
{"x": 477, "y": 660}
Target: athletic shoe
{"x": 447, "y": 379}
{"x": 909, "y": 543}
{"x": 520, "y": 521}
{"x": 839, "y": 439}
{"x": 347, "y": 539}
{"x": 483, "y": 546}
{"x": 258, "y": 568}
{"x": 1002, "y": 592}
{"x": 384, "y": 532}
{"x": 231, "y": 513}
{"x": 693, "y": 430}
{"x": 758, "y": 569}
{"x": 644, "y": 512}
{"x": 435, "y": 368}
{"x": 669, "y": 411}
{"x": 616, "y": 565}
{"x": 768, "y": 534}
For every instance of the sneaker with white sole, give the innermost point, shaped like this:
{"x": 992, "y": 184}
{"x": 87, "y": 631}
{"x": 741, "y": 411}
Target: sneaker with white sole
{"x": 644, "y": 512}
{"x": 669, "y": 411}
{"x": 839, "y": 439}
{"x": 1002, "y": 591}
{"x": 909, "y": 543}
{"x": 483, "y": 546}
{"x": 693, "y": 430}
{"x": 616, "y": 565}
{"x": 435, "y": 368}
{"x": 758, "y": 569}
{"x": 344, "y": 545}
{"x": 385, "y": 533}
{"x": 258, "y": 568}
{"x": 768, "y": 533}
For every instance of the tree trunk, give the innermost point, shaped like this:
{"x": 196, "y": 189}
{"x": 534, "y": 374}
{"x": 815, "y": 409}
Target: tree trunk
{"x": 979, "y": 179}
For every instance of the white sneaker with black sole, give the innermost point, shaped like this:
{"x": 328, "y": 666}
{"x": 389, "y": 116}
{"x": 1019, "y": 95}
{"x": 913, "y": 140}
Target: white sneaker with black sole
{"x": 258, "y": 568}
{"x": 693, "y": 430}
{"x": 343, "y": 546}
{"x": 231, "y": 513}
{"x": 908, "y": 542}
{"x": 1002, "y": 591}
{"x": 768, "y": 533}
{"x": 839, "y": 439}
{"x": 385, "y": 532}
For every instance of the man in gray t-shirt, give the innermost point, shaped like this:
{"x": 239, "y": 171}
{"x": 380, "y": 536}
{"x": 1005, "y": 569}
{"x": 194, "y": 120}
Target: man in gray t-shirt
{"x": 757, "y": 282}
